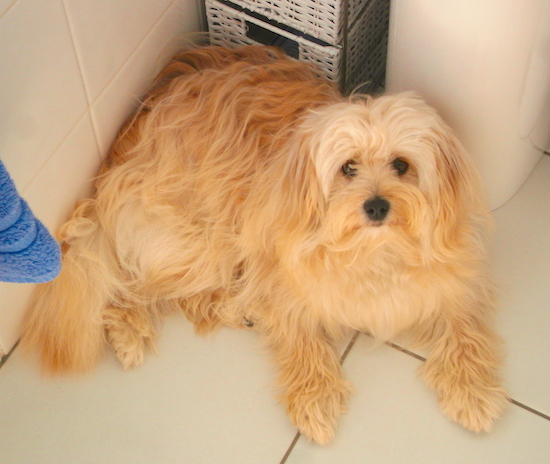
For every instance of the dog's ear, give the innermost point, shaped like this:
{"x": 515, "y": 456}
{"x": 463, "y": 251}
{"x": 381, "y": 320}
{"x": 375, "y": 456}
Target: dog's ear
{"x": 292, "y": 206}
{"x": 303, "y": 190}
{"x": 460, "y": 212}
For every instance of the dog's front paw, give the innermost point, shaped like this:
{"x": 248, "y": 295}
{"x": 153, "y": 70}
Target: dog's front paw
{"x": 315, "y": 411}
{"x": 476, "y": 409}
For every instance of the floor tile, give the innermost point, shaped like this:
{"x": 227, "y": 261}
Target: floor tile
{"x": 200, "y": 400}
{"x": 394, "y": 418}
{"x": 521, "y": 266}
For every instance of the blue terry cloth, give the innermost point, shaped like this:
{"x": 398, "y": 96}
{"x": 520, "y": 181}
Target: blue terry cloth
{"x": 10, "y": 202}
{"x": 21, "y": 234}
{"x": 28, "y": 253}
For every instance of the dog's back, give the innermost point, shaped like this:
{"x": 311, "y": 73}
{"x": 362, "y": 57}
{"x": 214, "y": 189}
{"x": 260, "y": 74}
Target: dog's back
{"x": 209, "y": 123}
{"x": 188, "y": 65}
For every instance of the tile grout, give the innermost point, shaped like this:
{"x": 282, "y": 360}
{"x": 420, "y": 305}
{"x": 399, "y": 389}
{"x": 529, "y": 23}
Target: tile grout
{"x": 350, "y": 345}
{"x": 291, "y": 447}
{"x": 7, "y": 9}
{"x": 529, "y": 409}
{"x": 404, "y": 350}
{"x": 511, "y": 400}
{"x": 83, "y": 78}
{"x": 5, "y": 358}
{"x": 54, "y": 151}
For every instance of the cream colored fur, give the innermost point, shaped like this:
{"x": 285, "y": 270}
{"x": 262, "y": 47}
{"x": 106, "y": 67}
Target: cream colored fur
{"x": 224, "y": 198}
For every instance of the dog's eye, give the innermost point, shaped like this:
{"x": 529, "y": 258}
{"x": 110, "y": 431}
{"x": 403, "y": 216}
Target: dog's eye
{"x": 348, "y": 170}
{"x": 400, "y": 165}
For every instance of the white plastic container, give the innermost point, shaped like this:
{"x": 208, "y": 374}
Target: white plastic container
{"x": 485, "y": 65}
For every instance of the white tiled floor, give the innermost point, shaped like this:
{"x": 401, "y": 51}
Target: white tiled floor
{"x": 210, "y": 400}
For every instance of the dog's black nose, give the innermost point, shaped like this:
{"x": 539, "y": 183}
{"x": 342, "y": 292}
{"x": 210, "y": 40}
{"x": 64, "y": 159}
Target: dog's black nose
{"x": 377, "y": 208}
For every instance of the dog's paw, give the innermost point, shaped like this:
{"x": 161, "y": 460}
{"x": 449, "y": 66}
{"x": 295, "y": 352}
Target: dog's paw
{"x": 315, "y": 411}
{"x": 475, "y": 409}
{"x": 130, "y": 358}
{"x": 470, "y": 393}
{"x": 131, "y": 334}
{"x": 130, "y": 346}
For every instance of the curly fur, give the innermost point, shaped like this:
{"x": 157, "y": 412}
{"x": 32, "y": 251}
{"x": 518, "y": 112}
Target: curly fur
{"x": 224, "y": 197}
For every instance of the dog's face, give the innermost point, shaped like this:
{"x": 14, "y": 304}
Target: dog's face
{"x": 389, "y": 169}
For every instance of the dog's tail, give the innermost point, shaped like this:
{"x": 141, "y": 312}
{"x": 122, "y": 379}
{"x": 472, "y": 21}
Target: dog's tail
{"x": 64, "y": 322}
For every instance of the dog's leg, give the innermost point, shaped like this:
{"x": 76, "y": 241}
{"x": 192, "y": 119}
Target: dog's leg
{"x": 130, "y": 331}
{"x": 463, "y": 369}
{"x": 315, "y": 393}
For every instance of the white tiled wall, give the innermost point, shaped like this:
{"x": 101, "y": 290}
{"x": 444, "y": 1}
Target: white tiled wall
{"x": 71, "y": 72}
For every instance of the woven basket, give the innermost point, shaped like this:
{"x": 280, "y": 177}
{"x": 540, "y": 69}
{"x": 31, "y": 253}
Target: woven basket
{"x": 360, "y": 59}
{"x": 229, "y": 27}
{"x": 370, "y": 74}
{"x": 367, "y": 45}
{"x": 322, "y": 19}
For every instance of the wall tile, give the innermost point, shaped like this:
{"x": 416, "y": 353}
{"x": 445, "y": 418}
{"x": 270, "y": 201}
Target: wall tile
{"x": 5, "y": 5}
{"x": 42, "y": 93}
{"x": 107, "y": 32}
{"x": 15, "y": 298}
{"x": 48, "y": 142}
{"x": 52, "y": 195}
{"x": 118, "y": 100}
{"x": 66, "y": 178}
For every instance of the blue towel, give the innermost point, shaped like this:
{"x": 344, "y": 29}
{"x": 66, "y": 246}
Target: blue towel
{"x": 28, "y": 253}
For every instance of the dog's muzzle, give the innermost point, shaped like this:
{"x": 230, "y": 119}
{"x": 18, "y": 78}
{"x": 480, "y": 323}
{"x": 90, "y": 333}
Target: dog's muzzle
{"x": 377, "y": 208}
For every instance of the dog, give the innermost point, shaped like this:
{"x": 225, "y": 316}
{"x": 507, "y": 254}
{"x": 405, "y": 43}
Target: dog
{"x": 246, "y": 191}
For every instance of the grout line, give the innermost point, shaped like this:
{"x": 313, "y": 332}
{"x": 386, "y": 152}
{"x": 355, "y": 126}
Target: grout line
{"x": 79, "y": 118}
{"x": 349, "y": 347}
{"x": 76, "y": 52}
{"x": 529, "y": 409}
{"x": 342, "y": 359}
{"x": 53, "y": 153}
{"x": 102, "y": 150}
{"x": 291, "y": 447}
{"x": 83, "y": 79}
{"x": 511, "y": 400}
{"x": 6, "y": 357}
{"x": 404, "y": 350}
{"x": 7, "y": 9}
{"x": 134, "y": 53}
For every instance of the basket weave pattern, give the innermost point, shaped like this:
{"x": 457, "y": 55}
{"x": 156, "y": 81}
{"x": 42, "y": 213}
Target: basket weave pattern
{"x": 228, "y": 28}
{"x": 322, "y": 19}
{"x": 349, "y": 63}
